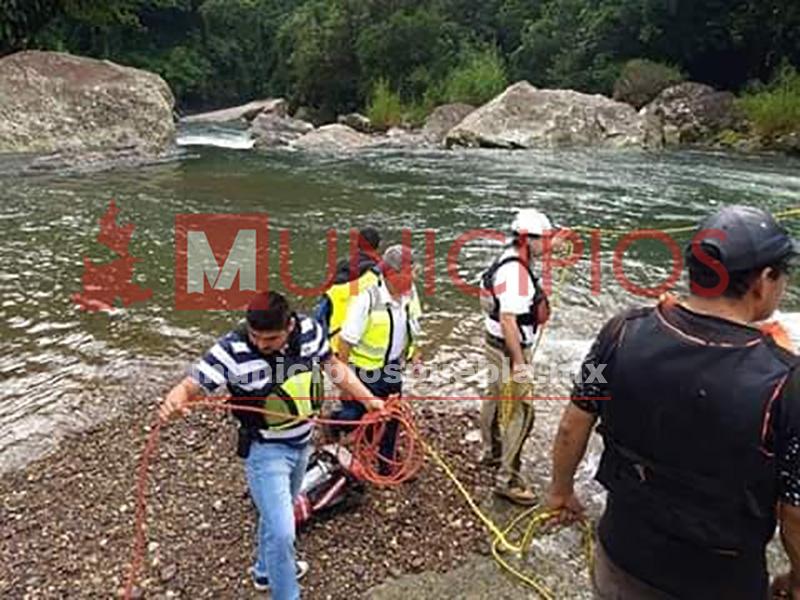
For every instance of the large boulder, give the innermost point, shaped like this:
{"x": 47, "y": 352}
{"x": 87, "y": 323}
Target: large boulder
{"x": 58, "y": 103}
{"x": 694, "y": 113}
{"x": 526, "y": 117}
{"x": 245, "y": 112}
{"x": 270, "y": 130}
{"x": 443, "y": 119}
{"x": 333, "y": 138}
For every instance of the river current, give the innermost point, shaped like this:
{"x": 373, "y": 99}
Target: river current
{"x": 62, "y": 368}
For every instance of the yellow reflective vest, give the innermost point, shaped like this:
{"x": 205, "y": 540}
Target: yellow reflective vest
{"x": 372, "y": 350}
{"x": 340, "y": 296}
{"x": 292, "y": 402}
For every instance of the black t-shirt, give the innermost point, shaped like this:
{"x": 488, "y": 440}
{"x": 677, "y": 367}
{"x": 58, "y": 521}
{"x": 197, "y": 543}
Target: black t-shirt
{"x": 679, "y": 563}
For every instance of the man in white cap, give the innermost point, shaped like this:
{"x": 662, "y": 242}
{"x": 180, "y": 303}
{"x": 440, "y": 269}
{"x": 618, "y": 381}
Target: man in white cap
{"x": 515, "y": 307}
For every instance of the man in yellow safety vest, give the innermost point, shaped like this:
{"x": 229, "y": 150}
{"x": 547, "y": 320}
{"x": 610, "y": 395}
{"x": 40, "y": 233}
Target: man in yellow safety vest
{"x": 271, "y": 362}
{"x": 353, "y": 276}
{"x": 378, "y": 337}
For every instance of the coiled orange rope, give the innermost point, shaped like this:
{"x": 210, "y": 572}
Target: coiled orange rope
{"x": 365, "y": 440}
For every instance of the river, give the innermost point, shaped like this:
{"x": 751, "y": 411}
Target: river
{"x": 63, "y": 368}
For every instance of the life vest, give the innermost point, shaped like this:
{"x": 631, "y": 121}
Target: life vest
{"x": 539, "y": 312}
{"x": 296, "y": 399}
{"x": 372, "y": 350}
{"x": 332, "y": 308}
{"x": 288, "y": 405}
{"x": 686, "y": 434}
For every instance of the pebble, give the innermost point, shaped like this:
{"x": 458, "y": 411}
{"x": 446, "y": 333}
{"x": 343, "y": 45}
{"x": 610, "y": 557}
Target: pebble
{"x": 136, "y": 593}
{"x": 168, "y": 572}
{"x": 473, "y": 436}
{"x": 417, "y": 522}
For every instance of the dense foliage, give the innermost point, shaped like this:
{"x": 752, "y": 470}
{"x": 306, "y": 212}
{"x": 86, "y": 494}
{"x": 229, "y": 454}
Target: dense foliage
{"x": 774, "y": 109}
{"x": 641, "y": 80}
{"x": 331, "y": 55}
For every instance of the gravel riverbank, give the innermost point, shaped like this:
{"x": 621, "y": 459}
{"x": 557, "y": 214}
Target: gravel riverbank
{"x": 68, "y": 519}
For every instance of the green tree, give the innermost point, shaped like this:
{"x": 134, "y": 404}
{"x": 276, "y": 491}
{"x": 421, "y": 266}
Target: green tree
{"x": 412, "y": 50}
{"x": 23, "y": 20}
{"x": 239, "y": 39}
{"x": 512, "y": 19}
{"x": 479, "y": 77}
{"x": 329, "y": 54}
{"x": 322, "y": 70}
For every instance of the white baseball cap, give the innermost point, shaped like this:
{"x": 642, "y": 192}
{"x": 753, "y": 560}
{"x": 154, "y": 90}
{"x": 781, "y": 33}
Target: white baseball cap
{"x": 531, "y": 221}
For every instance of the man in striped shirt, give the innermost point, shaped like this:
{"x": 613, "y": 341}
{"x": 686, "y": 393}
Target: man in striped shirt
{"x": 271, "y": 362}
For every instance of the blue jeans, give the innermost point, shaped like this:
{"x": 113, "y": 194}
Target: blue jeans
{"x": 274, "y": 474}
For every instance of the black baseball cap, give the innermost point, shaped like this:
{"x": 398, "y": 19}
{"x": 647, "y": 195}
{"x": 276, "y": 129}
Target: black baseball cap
{"x": 752, "y": 239}
{"x": 371, "y": 236}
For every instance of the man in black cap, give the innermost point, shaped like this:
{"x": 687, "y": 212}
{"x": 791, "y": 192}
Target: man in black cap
{"x": 701, "y": 427}
{"x": 353, "y": 275}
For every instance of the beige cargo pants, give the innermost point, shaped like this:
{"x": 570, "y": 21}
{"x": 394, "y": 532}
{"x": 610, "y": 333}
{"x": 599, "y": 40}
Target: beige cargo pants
{"x": 506, "y": 419}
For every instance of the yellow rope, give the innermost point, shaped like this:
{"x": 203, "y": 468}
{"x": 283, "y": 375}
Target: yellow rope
{"x": 537, "y": 517}
{"x": 501, "y": 541}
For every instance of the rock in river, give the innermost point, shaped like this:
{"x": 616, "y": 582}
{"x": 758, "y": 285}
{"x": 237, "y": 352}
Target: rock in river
{"x": 526, "y": 117}
{"x": 52, "y": 102}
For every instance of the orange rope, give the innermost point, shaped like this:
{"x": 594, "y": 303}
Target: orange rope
{"x": 365, "y": 439}
{"x": 137, "y": 552}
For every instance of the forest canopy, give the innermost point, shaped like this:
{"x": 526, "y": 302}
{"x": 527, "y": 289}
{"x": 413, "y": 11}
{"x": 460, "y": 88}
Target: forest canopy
{"x": 332, "y": 55}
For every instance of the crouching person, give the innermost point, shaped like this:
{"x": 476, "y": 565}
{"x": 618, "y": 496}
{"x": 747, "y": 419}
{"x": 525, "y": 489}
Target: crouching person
{"x": 271, "y": 361}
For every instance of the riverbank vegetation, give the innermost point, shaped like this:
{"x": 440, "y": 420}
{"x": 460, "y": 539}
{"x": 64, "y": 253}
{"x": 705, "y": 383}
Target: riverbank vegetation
{"x": 641, "y": 80}
{"x": 335, "y": 56}
{"x": 479, "y": 77}
{"x": 774, "y": 109}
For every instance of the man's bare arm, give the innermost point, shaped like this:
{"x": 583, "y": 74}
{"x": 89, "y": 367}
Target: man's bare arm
{"x": 178, "y": 398}
{"x": 790, "y": 536}
{"x": 344, "y": 350}
{"x": 568, "y": 451}
{"x": 508, "y": 323}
